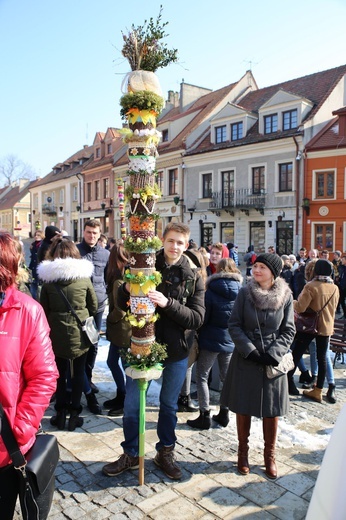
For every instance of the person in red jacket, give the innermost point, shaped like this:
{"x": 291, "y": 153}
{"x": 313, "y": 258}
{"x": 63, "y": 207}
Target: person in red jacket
{"x": 28, "y": 371}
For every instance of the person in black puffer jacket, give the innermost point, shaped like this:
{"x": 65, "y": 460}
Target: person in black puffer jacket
{"x": 180, "y": 311}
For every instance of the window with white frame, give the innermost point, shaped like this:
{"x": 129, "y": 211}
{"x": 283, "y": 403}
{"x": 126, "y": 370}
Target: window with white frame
{"x": 165, "y": 136}
{"x": 88, "y": 191}
{"x": 74, "y": 193}
{"x": 258, "y": 180}
{"x": 62, "y": 196}
{"x": 106, "y": 188}
{"x": 270, "y": 123}
{"x": 207, "y": 185}
{"x": 159, "y": 180}
{"x": 285, "y": 176}
{"x": 325, "y": 184}
{"x": 227, "y": 188}
{"x": 97, "y": 190}
{"x": 173, "y": 181}
{"x": 236, "y": 131}
{"x": 324, "y": 236}
{"x": 220, "y": 134}
{"x": 290, "y": 119}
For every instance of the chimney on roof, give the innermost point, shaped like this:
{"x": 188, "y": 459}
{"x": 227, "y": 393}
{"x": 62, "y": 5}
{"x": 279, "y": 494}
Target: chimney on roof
{"x": 85, "y": 146}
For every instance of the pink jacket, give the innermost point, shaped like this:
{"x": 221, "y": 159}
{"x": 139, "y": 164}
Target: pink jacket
{"x": 28, "y": 371}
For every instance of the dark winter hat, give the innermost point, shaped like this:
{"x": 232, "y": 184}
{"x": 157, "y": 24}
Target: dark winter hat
{"x": 323, "y": 268}
{"x": 50, "y": 232}
{"x": 272, "y": 261}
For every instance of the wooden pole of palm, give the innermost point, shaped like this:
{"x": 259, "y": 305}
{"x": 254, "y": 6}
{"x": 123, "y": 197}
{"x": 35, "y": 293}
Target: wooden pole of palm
{"x": 141, "y": 105}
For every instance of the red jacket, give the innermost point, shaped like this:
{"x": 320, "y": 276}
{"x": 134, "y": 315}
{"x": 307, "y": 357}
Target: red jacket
{"x": 28, "y": 371}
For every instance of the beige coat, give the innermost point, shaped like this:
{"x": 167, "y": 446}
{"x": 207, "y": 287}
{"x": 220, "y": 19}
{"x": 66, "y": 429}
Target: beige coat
{"x": 315, "y": 295}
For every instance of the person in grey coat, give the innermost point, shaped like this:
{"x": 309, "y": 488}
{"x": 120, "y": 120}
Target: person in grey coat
{"x": 262, "y": 329}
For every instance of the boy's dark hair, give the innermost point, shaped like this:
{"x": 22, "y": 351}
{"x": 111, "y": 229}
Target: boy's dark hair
{"x": 93, "y": 222}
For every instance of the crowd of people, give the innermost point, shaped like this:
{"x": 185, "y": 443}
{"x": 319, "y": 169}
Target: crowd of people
{"x": 244, "y": 323}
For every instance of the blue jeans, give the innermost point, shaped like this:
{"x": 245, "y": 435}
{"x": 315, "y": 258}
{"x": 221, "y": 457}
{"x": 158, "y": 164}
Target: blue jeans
{"x": 172, "y": 379}
{"x": 115, "y": 366}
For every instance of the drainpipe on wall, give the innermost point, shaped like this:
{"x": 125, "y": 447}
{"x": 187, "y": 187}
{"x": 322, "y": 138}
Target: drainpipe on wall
{"x": 182, "y": 201}
{"x": 298, "y": 154}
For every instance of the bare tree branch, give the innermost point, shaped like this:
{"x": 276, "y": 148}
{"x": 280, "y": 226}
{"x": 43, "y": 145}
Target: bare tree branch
{"x": 12, "y": 169}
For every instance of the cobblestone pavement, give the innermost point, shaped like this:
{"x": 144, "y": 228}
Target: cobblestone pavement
{"x": 210, "y": 487}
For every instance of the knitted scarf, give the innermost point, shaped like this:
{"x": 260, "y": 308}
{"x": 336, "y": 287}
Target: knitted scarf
{"x": 322, "y": 278}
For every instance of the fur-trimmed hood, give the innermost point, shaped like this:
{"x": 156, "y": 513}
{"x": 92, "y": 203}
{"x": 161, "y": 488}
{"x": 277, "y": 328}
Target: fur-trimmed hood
{"x": 65, "y": 269}
{"x": 273, "y": 299}
{"x": 237, "y": 277}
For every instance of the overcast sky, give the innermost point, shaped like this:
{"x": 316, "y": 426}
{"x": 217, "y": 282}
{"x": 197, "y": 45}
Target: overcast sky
{"x": 61, "y": 65}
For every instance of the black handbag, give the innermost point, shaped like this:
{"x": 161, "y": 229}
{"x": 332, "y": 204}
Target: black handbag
{"x": 88, "y": 326}
{"x": 36, "y": 470}
{"x": 307, "y": 321}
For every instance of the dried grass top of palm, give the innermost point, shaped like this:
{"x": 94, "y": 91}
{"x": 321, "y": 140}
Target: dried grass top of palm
{"x": 143, "y": 46}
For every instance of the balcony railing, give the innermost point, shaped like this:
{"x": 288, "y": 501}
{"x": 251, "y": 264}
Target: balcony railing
{"x": 49, "y": 209}
{"x": 243, "y": 199}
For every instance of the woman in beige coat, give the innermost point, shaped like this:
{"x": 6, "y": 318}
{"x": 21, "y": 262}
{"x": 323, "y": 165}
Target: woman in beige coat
{"x": 320, "y": 292}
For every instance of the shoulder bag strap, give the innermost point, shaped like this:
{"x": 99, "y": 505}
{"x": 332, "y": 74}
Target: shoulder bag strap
{"x": 10, "y": 442}
{"x": 69, "y": 306}
{"x": 259, "y": 329}
{"x": 325, "y": 305}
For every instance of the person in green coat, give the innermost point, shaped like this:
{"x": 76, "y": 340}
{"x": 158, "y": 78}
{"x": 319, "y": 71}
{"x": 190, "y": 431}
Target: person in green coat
{"x": 64, "y": 268}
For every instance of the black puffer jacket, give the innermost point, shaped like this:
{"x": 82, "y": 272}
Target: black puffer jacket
{"x": 98, "y": 256}
{"x": 180, "y": 316}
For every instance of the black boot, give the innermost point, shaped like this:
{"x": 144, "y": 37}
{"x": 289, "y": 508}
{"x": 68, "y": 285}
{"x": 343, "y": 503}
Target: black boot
{"x": 203, "y": 421}
{"x": 310, "y": 385}
{"x": 222, "y": 417}
{"x": 292, "y": 389}
{"x": 93, "y": 404}
{"x": 117, "y": 407}
{"x": 75, "y": 421}
{"x": 59, "y": 419}
{"x": 185, "y": 404}
{"x": 331, "y": 394}
{"x": 305, "y": 377}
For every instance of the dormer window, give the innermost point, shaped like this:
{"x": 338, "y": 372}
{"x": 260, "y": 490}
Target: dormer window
{"x": 109, "y": 148}
{"x": 237, "y": 131}
{"x": 220, "y": 134}
{"x": 270, "y": 123}
{"x": 165, "y": 136}
{"x": 98, "y": 153}
{"x": 289, "y": 119}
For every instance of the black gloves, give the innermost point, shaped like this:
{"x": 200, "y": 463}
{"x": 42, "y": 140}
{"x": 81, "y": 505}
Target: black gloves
{"x": 268, "y": 360}
{"x": 255, "y": 356}
{"x": 262, "y": 358}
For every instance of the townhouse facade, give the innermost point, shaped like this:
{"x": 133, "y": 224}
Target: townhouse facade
{"x": 324, "y": 201}
{"x": 56, "y": 199}
{"x": 15, "y": 209}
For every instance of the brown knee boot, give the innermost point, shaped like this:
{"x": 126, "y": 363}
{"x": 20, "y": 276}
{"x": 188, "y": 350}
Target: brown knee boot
{"x": 270, "y": 428}
{"x": 243, "y": 429}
